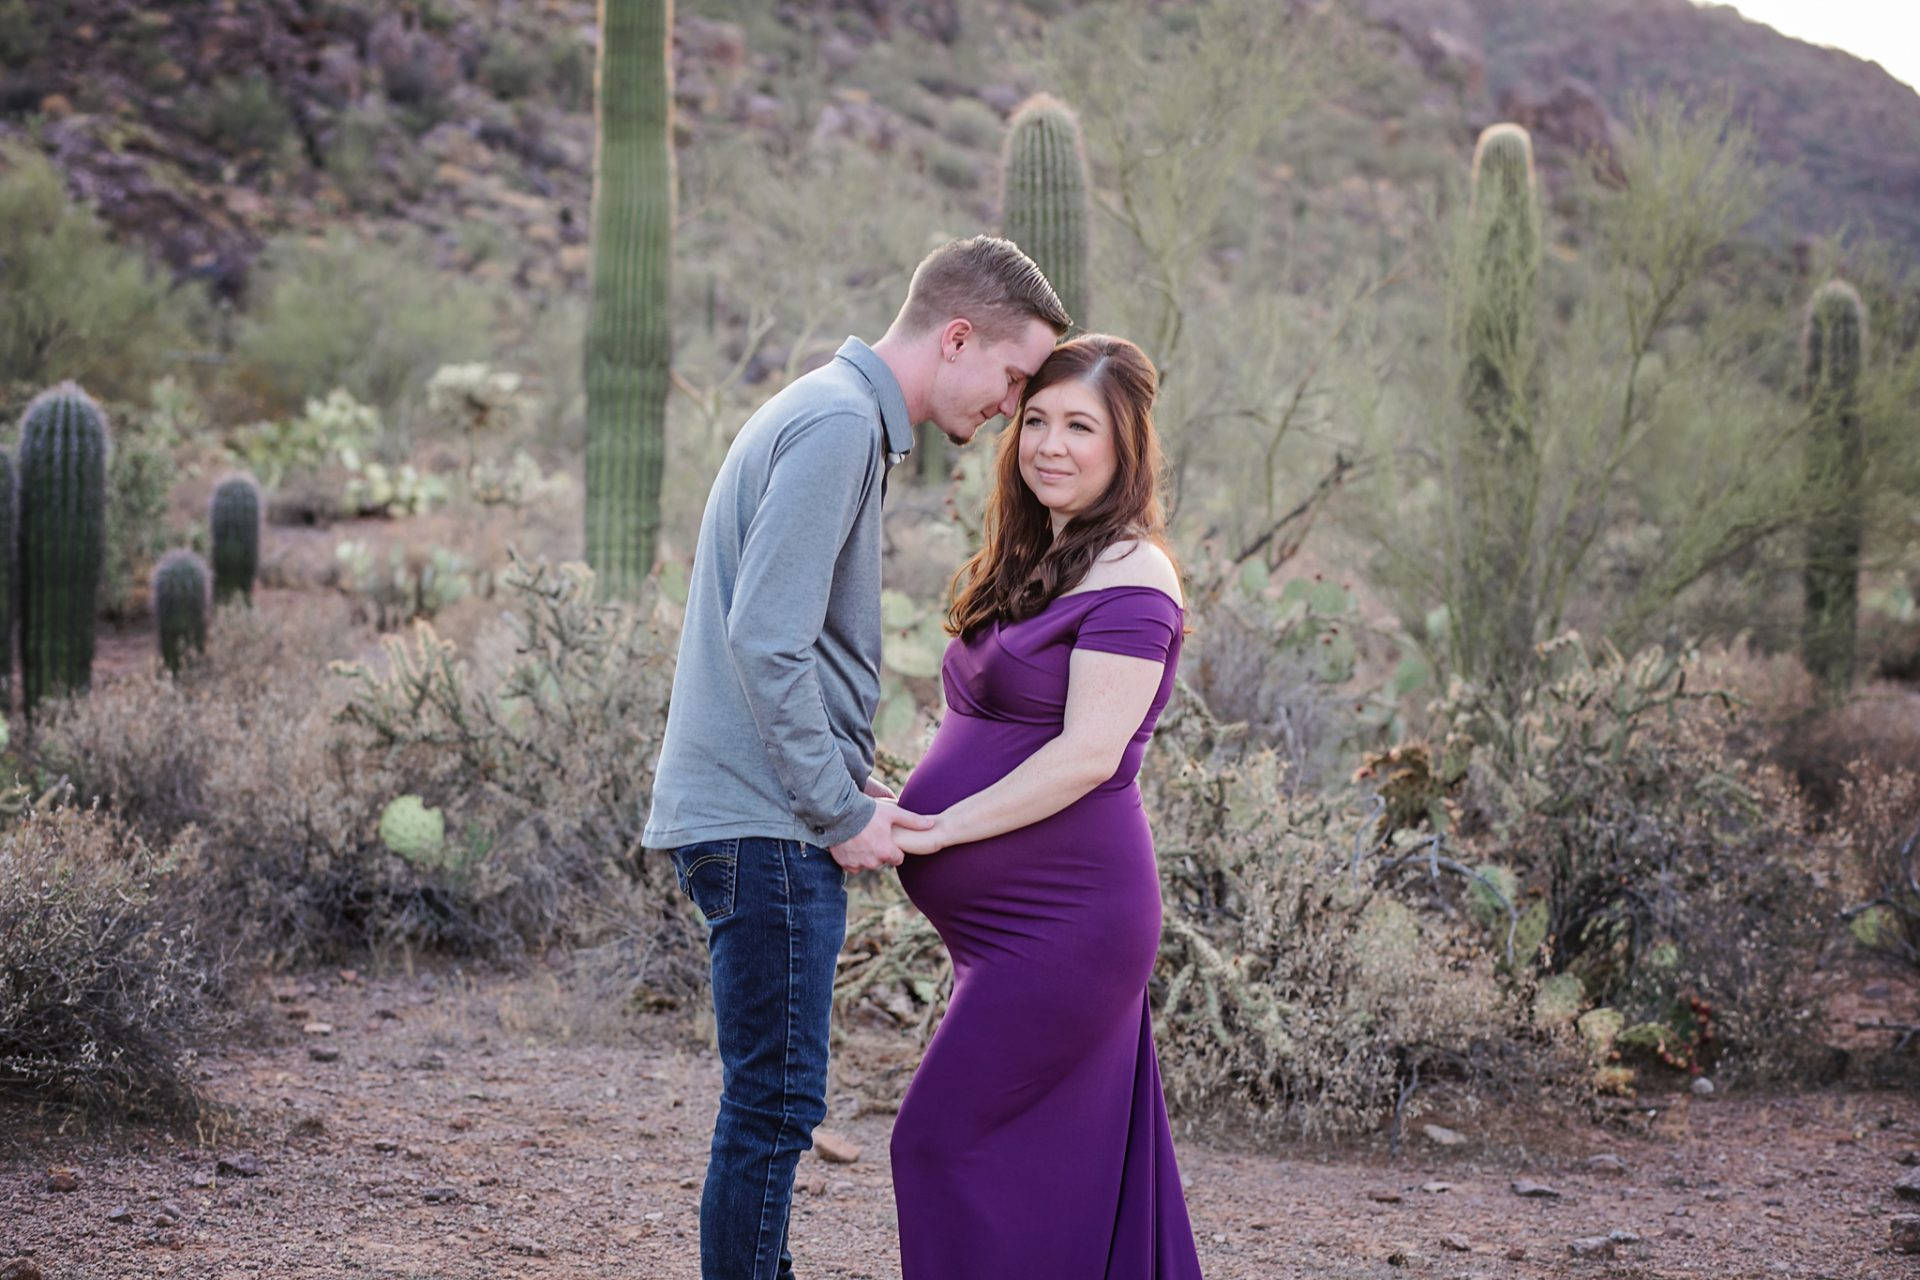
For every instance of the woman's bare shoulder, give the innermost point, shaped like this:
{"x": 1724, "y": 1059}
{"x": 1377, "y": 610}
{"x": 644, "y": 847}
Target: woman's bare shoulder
{"x": 1134, "y": 562}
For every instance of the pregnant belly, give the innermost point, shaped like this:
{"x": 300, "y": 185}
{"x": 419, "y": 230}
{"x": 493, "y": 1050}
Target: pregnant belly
{"x": 1081, "y": 880}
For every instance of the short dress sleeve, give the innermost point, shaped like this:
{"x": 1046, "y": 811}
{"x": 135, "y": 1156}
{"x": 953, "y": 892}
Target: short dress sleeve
{"x": 1139, "y": 622}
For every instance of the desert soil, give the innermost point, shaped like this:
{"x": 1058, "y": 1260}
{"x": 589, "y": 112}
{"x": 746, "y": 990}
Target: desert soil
{"x": 444, "y": 1124}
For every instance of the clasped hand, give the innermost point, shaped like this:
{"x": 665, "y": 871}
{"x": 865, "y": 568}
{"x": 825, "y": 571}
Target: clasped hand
{"x": 890, "y": 835}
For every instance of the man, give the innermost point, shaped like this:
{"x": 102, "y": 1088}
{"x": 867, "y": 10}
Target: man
{"x": 763, "y": 794}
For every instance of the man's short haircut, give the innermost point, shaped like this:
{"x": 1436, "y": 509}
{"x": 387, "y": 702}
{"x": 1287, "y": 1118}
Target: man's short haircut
{"x": 986, "y": 280}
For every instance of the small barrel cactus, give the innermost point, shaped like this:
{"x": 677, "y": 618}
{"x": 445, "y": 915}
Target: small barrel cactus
{"x": 61, "y": 506}
{"x": 1044, "y": 199}
{"x": 180, "y": 604}
{"x": 233, "y": 517}
{"x": 413, "y": 831}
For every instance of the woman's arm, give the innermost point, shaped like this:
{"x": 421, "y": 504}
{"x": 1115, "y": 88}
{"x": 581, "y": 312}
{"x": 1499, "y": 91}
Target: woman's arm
{"x": 1107, "y": 697}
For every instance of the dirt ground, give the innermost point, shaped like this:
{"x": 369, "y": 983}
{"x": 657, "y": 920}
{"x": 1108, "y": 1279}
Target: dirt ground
{"x": 449, "y": 1125}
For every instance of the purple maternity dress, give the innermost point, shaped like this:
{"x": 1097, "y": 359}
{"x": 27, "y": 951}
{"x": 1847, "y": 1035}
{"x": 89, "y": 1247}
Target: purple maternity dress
{"x": 1033, "y": 1143}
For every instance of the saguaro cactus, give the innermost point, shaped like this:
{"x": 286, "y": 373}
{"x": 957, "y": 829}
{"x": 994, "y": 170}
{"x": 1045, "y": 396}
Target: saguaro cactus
{"x": 1044, "y": 196}
{"x": 9, "y": 575}
{"x": 233, "y": 517}
{"x": 62, "y": 504}
{"x": 180, "y": 603}
{"x": 627, "y": 341}
{"x": 1495, "y": 477}
{"x": 1834, "y": 341}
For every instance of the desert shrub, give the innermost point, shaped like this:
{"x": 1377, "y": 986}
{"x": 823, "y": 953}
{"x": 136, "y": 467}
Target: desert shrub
{"x": 105, "y": 988}
{"x": 73, "y": 302}
{"x": 140, "y": 479}
{"x": 372, "y": 318}
{"x": 510, "y": 68}
{"x": 1877, "y": 823}
{"x": 1306, "y": 984}
{"x": 243, "y": 116}
{"x": 22, "y": 35}
{"x": 407, "y": 584}
{"x": 1676, "y": 879}
{"x": 540, "y": 753}
{"x": 569, "y": 73}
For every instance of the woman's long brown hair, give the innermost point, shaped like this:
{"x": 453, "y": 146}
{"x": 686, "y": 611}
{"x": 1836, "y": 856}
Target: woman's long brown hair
{"x": 1021, "y": 567}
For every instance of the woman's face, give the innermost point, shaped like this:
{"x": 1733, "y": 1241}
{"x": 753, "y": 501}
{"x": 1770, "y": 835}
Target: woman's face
{"x": 1068, "y": 456}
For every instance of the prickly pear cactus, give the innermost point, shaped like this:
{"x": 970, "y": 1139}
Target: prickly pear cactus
{"x": 413, "y": 831}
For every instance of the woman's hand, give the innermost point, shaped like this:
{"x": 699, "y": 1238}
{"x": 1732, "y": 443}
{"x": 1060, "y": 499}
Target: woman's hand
{"x": 932, "y": 840}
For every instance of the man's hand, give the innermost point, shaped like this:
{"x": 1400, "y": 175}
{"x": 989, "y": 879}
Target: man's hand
{"x": 879, "y": 790}
{"x": 874, "y": 847}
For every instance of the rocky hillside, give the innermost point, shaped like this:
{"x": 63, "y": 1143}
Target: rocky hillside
{"x": 202, "y": 128}
{"x": 1842, "y": 134}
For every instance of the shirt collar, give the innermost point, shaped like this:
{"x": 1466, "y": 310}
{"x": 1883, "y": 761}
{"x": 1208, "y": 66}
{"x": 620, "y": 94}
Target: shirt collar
{"x": 895, "y": 427}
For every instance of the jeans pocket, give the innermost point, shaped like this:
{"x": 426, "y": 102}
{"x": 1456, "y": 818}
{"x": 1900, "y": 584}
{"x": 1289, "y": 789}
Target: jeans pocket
{"x": 707, "y": 872}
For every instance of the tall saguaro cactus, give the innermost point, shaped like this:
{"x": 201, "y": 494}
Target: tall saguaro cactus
{"x": 1834, "y": 340}
{"x": 1496, "y": 476}
{"x": 1044, "y": 196}
{"x": 180, "y": 603}
{"x": 62, "y": 538}
{"x": 233, "y": 521}
{"x": 628, "y": 344}
{"x": 9, "y": 574}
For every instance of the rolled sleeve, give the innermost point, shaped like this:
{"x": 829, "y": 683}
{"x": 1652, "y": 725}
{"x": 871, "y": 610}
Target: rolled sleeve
{"x": 819, "y": 477}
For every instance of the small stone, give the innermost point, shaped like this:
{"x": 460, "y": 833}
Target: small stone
{"x": 1908, "y": 1186}
{"x": 460, "y": 1124}
{"x": 527, "y": 1248}
{"x": 1620, "y": 1235}
{"x": 1398, "y": 1258}
{"x": 1436, "y": 1187}
{"x": 318, "y": 1028}
{"x": 172, "y": 1212}
{"x": 1455, "y": 1241}
{"x": 20, "y": 1269}
{"x": 243, "y": 1165}
{"x": 1442, "y": 1136}
{"x": 1516, "y": 1253}
{"x": 431, "y": 1062}
{"x": 1702, "y": 1087}
{"x": 1534, "y": 1190}
{"x": 1591, "y": 1247}
{"x": 816, "y": 1186}
{"x": 122, "y": 1214}
{"x": 440, "y": 1195}
{"x": 324, "y": 1053}
{"x": 62, "y": 1179}
{"x": 351, "y": 977}
{"x": 1903, "y": 1232}
{"x": 200, "y": 1180}
{"x": 1908, "y": 1157}
{"x": 1716, "y": 1195}
{"x": 689, "y": 1184}
{"x": 833, "y": 1148}
{"x": 385, "y": 1145}
{"x": 1219, "y": 1238}
{"x": 1607, "y": 1163}
{"x": 1384, "y": 1196}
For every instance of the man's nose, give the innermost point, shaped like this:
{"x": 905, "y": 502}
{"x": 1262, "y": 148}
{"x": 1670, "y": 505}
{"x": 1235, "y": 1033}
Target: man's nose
{"x": 1010, "y": 402}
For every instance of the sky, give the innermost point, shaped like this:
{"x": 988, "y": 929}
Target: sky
{"x": 1882, "y": 31}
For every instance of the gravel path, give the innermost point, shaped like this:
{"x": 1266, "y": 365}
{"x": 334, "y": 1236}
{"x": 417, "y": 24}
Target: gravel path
{"x": 446, "y": 1126}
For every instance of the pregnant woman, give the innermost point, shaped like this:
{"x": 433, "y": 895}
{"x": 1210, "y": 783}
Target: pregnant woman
{"x": 1033, "y": 1143}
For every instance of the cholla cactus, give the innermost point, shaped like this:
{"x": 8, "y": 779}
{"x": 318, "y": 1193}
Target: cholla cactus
{"x": 233, "y": 517}
{"x": 181, "y": 590}
{"x": 413, "y": 831}
{"x": 62, "y": 498}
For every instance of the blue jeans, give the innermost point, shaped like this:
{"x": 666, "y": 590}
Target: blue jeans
{"x": 776, "y": 915}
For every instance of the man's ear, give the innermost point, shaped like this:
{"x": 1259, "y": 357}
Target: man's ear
{"x": 957, "y": 333}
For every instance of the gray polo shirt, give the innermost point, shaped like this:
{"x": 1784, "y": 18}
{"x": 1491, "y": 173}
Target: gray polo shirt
{"x": 770, "y": 731}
